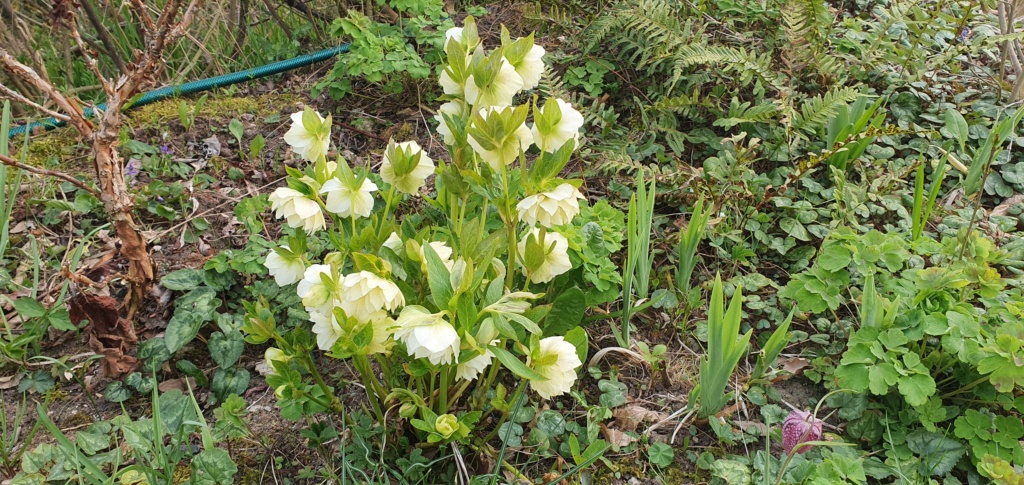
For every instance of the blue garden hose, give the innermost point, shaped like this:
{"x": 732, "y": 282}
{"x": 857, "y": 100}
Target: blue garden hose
{"x": 201, "y": 85}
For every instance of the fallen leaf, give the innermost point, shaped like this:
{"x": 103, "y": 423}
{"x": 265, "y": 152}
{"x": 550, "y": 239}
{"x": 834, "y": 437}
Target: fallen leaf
{"x": 1002, "y": 209}
{"x": 178, "y": 384}
{"x": 616, "y": 438}
{"x": 745, "y": 425}
{"x": 628, "y": 417}
{"x": 794, "y": 365}
{"x": 110, "y": 335}
{"x": 8, "y": 382}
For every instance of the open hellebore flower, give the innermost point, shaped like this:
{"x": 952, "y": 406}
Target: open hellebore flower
{"x": 557, "y": 361}
{"x": 498, "y": 135}
{"x": 800, "y": 427}
{"x": 544, "y": 259}
{"x": 299, "y": 210}
{"x": 326, "y": 328}
{"x": 363, "y": 294}
{"x": 394, "y": 242}
{"x": 427, "y": 335}
{"x": 316, "y": 296}
{"x": 353, "y": 199}
{"x": 309, "y": 135}
{"x": 285, "y": 266}
{"x": 494, "y": 82}
{"x": 525, "y": 57}
{"x": 454, "y": 109}
{"x": 555, "y": 124}
{"x": 443, "y": 251}
{"x": 472, "y": 368}
{"x": 329, "y": 330}
{"x": 550, "y": 209}
{"x": 406, "y": 166}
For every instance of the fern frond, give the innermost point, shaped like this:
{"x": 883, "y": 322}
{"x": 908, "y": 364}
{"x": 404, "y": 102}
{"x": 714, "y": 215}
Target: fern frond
{"x": 817, "y": 111}
{"x": 744, "y": 113}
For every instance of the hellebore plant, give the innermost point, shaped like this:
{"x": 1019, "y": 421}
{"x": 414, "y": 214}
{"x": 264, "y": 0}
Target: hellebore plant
{"x": 435, "y": 311}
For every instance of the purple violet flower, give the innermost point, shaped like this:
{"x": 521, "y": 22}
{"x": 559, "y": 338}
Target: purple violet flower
{"x": 166, "y": 150}
{"x": 131, "y": 169}
{"x": 800, "y": 427}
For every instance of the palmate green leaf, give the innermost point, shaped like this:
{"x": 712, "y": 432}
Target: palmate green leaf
{"x": 213, "y": 466}
{"x": 917, "y": 388}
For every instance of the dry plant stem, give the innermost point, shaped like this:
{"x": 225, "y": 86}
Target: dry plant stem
{"x": 48, "y": 173}
{"x": 103, "y": 34}
{"x": 8, "y": 93}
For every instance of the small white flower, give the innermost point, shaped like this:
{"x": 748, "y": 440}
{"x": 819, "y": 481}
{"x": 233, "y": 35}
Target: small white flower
{"x": 346, "y": 202}
{"x": 499, "y": 92}
{"x": 326, "y": 328}
{"x": 394, "y": 242}
{"x": 557, "y": 361}
{"x": 300, "y": 211}
{"x": 450, "y": 86}
{"x": 409, "y": 172}
{"x": 286, "y": 269}
{"x": 454, "y": 33}
{"x": 454, "y": 109}
{"x": 531, "y": 68}
{"x": 308, "y": 145}
{"x": 554, "y": 131}
{"x": 315, "y": 296}
{"x": 550, "y": 209}
{"x": 556, "y": 255}
{"x": 472, "y": 368}
{"x": 506, "y": 150}
{"x": 427, "y": 335}
{"x": 363, "y": 294}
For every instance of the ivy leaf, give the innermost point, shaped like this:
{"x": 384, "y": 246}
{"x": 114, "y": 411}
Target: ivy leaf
{"x": 938, "y": 453}
{"x": 229, "y": 381}
{"x": 917, "y": 388}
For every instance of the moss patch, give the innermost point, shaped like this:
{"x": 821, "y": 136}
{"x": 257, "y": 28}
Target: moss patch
{"x": 59, "y": 143}
{"x": 215, "y": 108}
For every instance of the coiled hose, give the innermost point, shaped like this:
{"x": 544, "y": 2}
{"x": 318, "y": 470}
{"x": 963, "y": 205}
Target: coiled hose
{"x": 201, "y": 85}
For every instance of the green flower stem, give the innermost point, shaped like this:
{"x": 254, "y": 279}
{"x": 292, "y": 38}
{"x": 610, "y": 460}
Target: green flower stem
{"x": 443, "y": 403}
{"x": 510, "y": 224}
{"x": 430, "y": 395}
{"x": 462, "y": 388}
{"x": 369, "y": 382}
{"x": 966, "y": 388}
{"x": 483, "y": 385}
{"x": 334, "y": 405}
{"x": 387, "y": 210}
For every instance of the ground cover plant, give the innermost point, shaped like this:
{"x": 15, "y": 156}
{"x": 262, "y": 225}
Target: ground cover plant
{"x": 541, "y": 242}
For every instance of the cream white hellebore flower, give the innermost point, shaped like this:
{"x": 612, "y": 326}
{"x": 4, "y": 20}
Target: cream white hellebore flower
{"x": 557, "y": 361}
{"x": 545, "y": 259}
{"x": 286, "y": 267}
{"x": 300, "y": 211}
{"x": 394, "y": 242}
{"x": 309, "y": 135}
{"x": 550, "y": 209}
{"x": 496, "y": 91}
{"x": 406, "y": 166}
{"x": 454, "y": 33}
{"x": 317, "y": 297}
{"x": 555, "y": 124}
{"x": 346, "y": 201}
{"x": 472, "y": 368}
{"x": 443, "y": 251}
{"x": 454, "y": 109}
{"x": 499, "y": 134}
{"x": 427, "y": 335}
{"x": 275, "y": 354}
{"x": 531, "y": 67}
{"x": 363, "y": 294}
{"x": 326, "y": 328}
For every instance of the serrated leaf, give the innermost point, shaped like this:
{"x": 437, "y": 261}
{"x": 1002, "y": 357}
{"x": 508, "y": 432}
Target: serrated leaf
{"x": 29, "y": 308}
{"x": 938, "y": 453}
{"x": 917, "y": 388}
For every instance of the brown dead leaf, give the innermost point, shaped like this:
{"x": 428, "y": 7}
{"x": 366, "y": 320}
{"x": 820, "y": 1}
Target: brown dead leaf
{"x": 744, "y": 425}
{"x": 628, "y": 417}
{"x": 178, "y": 384}
{"x": 8, "y": 382}
{"x": 1001, "y": 209}
{"x": 109, "y": 334}
{"x": 616, "y": 438}
{"x": 794, "y": 365}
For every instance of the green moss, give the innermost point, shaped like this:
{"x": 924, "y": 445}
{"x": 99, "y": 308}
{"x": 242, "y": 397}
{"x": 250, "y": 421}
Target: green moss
{"x": 59, "y": 143}
{"x": 215, "y": 108}
{"x": 629, "y": 467}
{"x": 78, "y": 419}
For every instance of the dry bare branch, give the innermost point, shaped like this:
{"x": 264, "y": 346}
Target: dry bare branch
{"x": 8, "y": 93}
{"x": 74, "y": 112}
{"x": 48, "y": 173}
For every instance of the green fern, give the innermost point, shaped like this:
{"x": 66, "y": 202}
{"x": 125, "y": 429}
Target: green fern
{"x": 744, "y": 113}
{"x": 815, "y": 112}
